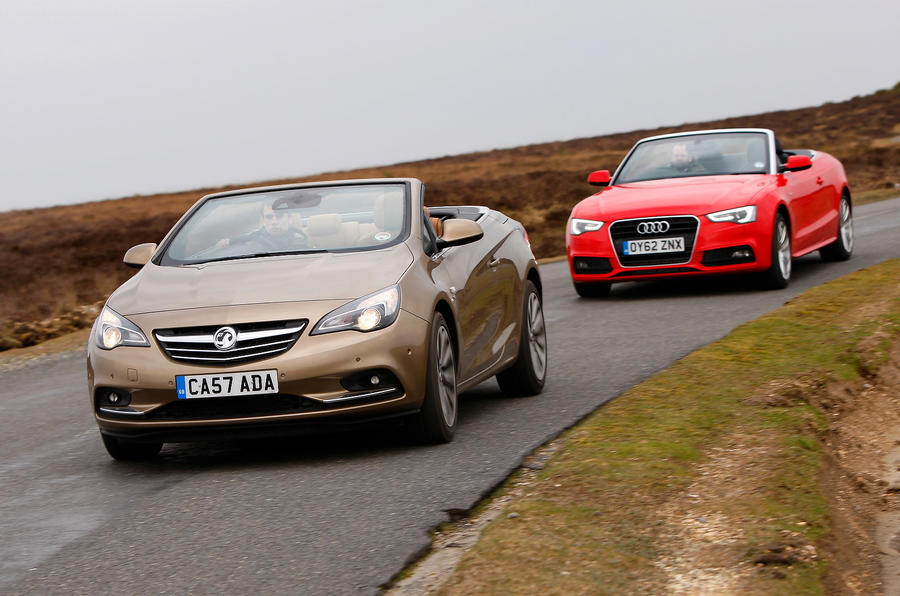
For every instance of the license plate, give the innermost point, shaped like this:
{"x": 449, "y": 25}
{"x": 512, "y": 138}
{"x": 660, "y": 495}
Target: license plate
{"x": 255, "y": 382}
{"x": 653, "y": 246}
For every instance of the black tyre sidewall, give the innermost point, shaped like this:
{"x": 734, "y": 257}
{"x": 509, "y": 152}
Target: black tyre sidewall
{"x": 520, "y": 379}
{"x": 532, "y": 383}
{"x": 836, "y": 251}
{"x": 434, "y": 428}
{"x": 774, "y": 277}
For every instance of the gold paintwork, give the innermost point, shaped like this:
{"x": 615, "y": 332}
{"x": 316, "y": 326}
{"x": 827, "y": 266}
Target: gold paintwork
{"x": 138, "y": 256}
{"x": 479, "y": 286}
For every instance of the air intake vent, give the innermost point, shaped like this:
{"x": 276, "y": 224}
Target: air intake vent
{"x": 733, "y": 255}
{"x": 237, "y": 344}
{"x": 591, "y": 265}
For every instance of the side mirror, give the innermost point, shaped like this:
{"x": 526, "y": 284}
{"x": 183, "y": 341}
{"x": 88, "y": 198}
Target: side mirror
{"x": 458, "y": 232}
{"x": 599, "y": 178}
{"x": 797, "y": 163}
{"x": 138, "y": 256}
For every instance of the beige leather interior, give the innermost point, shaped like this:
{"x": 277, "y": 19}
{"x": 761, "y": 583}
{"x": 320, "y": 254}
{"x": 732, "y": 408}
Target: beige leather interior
{"x": 326, "y": 230}
{"x": 436, "y": 222}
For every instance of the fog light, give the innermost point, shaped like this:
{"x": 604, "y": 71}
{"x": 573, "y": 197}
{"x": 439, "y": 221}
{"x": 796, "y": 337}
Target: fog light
{"x": 112, "y": 396}
{"x": 740, "y": 254}
{"x": 369, "y": 380}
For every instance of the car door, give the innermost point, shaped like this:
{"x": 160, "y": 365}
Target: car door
{"x": 825, "y": 203}
{"x": 800, "y": 191}
{"x": 485, "y": 287}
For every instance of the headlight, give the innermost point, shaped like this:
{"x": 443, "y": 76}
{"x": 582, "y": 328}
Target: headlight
{"x": 737, "y": 215}
{"x": 577, "y": 227}
{"x": 112, "y": 329}
{"x": 369, "y": 313}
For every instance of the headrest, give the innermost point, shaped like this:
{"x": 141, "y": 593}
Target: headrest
{"x": 438, "y": 224}
{"x": 323, "y": 224}
{"x": 389, "y": 211}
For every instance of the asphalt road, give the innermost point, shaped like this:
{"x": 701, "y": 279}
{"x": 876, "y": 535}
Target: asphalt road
{"x": 336, "y": 514}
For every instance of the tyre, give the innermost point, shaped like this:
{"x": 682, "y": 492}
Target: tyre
{"x": 779, "y": 272}
{"x": 526, "y": 376}
{"x": 437, "y": 419}
{"x": 124, "y": 450}
{"x": 592, "y": 290}
{"x": 842, "y": 247}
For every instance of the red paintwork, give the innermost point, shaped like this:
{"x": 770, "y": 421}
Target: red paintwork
{"x": 798, "y": 163}
{"x": 810, "y": 197}
{"x": 599, "y": 178}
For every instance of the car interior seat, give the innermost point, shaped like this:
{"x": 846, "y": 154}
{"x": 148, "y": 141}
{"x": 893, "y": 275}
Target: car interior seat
{"x": 436, "y": 222}
{"x": 388, "y": 215}
{"x": 710, "y": 156}
{"x": 324, "y": 230}
{"x": 756, "y": 157}
{"x": 780, "y": 152}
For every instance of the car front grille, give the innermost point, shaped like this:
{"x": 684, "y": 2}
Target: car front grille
{"x": 255, "y": 341}
{"x": 684, "y": 226}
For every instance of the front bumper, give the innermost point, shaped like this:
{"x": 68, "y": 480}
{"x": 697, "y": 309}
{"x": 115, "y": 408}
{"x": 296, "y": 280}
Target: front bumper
{"x": 310, "y": 376}
{"x": 716, "y": 249}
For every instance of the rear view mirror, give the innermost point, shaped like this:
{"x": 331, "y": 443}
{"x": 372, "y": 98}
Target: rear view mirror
{"x": 459, "y": 231}
{"x": 599, "y": 178}
{"x": 299, "y": 200}
{"x": 797, "y": 163}
{"x": 138, "y": 256}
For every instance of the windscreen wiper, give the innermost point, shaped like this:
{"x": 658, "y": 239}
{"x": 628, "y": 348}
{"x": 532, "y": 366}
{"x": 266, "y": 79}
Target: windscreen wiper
{"x": 254, "y": 255}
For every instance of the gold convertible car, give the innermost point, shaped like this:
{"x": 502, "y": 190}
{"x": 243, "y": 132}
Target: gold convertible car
{"x": 265, "y": 310}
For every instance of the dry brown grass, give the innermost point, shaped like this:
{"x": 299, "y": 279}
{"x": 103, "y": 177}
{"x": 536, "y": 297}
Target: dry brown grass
{"x": 58, "y": 258}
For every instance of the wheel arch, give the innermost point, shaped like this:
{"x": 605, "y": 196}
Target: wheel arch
{"x": 782, "y": 209}
{"x": 446, "y": 311}
{"x": 535, "y": 277}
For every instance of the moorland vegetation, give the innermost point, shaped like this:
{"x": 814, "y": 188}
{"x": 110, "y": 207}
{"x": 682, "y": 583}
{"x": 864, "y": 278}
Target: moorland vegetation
{"x": 58, "y": 264}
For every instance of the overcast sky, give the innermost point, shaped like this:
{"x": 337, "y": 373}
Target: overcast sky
{"x": 109, "y": 98}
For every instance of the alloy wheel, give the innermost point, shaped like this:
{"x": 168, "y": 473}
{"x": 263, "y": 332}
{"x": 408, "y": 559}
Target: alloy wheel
{"x": 446, "y": 371}
{"x": 537, "y": 336}
{"x": 783, "y": 240}
{"x": 846, "y": 225}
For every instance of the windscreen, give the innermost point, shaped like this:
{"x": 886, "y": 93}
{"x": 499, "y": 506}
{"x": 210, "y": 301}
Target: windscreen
{"x": 712, "y": 154}
{"x": 326, "y": 218}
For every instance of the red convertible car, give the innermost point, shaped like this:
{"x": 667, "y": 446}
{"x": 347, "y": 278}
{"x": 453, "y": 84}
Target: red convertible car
{"x": 709, "y": 202}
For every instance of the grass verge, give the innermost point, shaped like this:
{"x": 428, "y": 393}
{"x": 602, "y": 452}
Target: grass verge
{"x": 706, "y": 477}
{"x": 873, "y": 196}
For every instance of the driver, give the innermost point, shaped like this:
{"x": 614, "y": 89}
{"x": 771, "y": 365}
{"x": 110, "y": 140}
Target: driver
{"x": 275, "y": 232}
{"x": 682, "y": 160}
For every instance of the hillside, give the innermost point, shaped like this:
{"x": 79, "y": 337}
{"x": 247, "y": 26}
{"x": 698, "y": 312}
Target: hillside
{"x": 56, "y": 260}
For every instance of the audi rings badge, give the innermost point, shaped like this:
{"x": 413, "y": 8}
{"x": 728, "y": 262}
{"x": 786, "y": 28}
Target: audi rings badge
{"x": 225, "y": 338}
{"x": 653, "y": 227}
